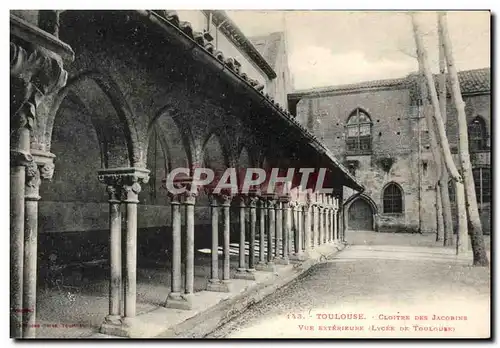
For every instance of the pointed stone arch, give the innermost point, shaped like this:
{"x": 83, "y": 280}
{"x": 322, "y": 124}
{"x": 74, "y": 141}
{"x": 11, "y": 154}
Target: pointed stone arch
{"x": 361, "y": 213}
{"x": 92, "y": 85}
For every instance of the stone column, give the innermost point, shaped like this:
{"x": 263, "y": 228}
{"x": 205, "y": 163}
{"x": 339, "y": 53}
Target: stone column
{"x": 332, "y": 220}
{"x": 271, "y": 213}
{"x": 335, "y": 221}
{"x": 298, "y": 254}
{"x": 18, "y": 161}
{"x": 214, "y": 283}
{"x": 328, "y": 219}
{"x": 252, "y": 204}
{"x": 315, "y": 222}
{"x": 189, "y": 202}
{"x": 242, "y": 272}
{"x": 41, "y": 167}
{"x": 114, "y": 190}
{"x": 225, "y": 200}
{"x": 262, "y": 265}
{"x": 130, "y": 198}
{"x": 127, "y": 183}
{"x": 30, "y": 249}
{"x": 286, "y": 230}
{"x": 307, "y": 225}
{"x": 285, "y": 223}
{"x": 294, "y": 226}
{"x": 174, "y": 297}
{"x": 321, "y": 225}
{"x": 279, "y": 231}
{"x": 36, "y": 73}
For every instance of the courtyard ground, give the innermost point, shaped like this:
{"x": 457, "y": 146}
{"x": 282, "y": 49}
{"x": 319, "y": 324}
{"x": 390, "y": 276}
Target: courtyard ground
{"x": 397, "y": 284}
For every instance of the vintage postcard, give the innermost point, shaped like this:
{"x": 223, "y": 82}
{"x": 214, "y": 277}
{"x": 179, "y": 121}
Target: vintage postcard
{"x": 250, "y": 174}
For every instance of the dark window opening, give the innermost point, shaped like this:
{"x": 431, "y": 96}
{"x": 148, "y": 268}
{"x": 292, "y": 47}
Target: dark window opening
{"x": 393, "y": 199}
{"x": 477, "y": 135}
{"x": 359, "y": 129}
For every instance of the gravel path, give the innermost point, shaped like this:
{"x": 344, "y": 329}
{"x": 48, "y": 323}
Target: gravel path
{"x": 377, "y": 287}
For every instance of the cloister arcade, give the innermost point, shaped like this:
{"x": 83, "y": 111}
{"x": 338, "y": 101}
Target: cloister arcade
{"x": 104, "y": 104}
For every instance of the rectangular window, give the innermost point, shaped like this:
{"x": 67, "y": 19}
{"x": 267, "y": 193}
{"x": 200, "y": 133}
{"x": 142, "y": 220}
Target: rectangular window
{"x": 482, "y": 184}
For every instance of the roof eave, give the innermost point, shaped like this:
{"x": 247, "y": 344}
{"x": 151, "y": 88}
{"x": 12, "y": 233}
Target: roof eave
{"x": 244, "y": 42}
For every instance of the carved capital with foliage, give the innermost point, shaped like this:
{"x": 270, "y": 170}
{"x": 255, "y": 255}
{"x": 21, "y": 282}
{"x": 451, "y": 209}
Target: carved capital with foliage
{"x": 34, "y": 73}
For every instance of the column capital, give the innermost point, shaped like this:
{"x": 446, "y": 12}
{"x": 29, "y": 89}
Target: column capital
{"x": 123, "y": 183}
{"x": 20, "y": 158}
{"x": 123, "y": 176}
{"x": 33, "y": 182}
{"x": 35, "y": 72}
{"x": 40, "y": 167}
{"x": 252, "y": 201}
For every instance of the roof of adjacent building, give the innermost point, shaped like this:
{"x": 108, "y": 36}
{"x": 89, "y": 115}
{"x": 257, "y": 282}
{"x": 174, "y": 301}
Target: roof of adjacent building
{"x": 236, "y": 36}
{"x": 268, "y": 46}
{"x": 476, "y": 81}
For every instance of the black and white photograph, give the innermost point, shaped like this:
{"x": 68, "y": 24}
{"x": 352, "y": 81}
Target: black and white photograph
{"x": 258, "y": 173}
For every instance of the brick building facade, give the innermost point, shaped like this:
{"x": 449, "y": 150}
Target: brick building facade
{"x": 380, "y": 133}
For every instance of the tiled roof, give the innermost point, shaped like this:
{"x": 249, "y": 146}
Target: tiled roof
{"x": 204, "y": 42}
{"x": 475, "y": 81}
{"x": 233, "y": 33}
{"x": 360, "y": 86}
{"x": 471, "y": 82}
{"x": 268, "y": 46}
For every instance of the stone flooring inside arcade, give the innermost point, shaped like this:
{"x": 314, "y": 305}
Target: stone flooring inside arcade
{"x": 74, "y": 302}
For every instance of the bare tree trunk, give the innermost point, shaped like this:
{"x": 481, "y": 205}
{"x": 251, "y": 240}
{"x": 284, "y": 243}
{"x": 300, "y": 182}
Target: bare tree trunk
{"x": 439, "y": 214}
{"x": 442, "y": 139}
{"x": 447, "y": 216}
{"x": 479, "y": 252}
{"x": 443, "y": 178}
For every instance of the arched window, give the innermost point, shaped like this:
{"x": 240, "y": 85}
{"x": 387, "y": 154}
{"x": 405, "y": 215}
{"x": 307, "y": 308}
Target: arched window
{"x": 477, "y": 134}
{"x": 393, "y": 199}
{"x": 359, "y": 132}
{"x": 482, "y": 183}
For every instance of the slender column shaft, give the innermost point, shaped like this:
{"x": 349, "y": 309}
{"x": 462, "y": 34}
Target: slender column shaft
{"x": 332, "y": 219}
{"x": 320, "y": 225}
{"x": 253, "y": 226}
{"x": 262, "y": 230}
{"x": 271, "y": 230}
{"x": 226, "y": 226}
{"x": 279, "y": 229}
{"x": 115, "y": 250}
{"x": 17, "y": 210}
{"x": 315, "y": 226}
{"x": 215, "y": 240}
{"x": 131, "y": 250}
{"x": 286, "y": 230}
{"x": 335, "y": 226}
{"x": 300, "y": 227}
{"x": 30, "y": 251}
{"x": 242, "y": 209}
{"x": 295, "y": 226}
{"x": 176, "y": 246}
{"x": 307, "y": 227}
{"x": 189, "y": 262}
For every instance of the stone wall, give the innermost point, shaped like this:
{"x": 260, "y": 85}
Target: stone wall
{"x": 398, "y": 133}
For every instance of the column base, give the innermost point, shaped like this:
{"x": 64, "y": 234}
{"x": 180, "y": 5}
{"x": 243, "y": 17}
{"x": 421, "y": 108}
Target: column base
{"x": 179, "y": 301}
{"x": 266, "y": 267}
{"x": 282, "y": 261}
{"x": 300, "y": 256}
{"x": 244, "y": 274}
{"x": 217, "y": 285}
{"x": 114, "y": 325}
{"x": 118, "y": 326}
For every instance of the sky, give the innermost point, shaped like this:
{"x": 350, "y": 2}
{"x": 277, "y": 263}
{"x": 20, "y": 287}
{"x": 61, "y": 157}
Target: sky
{"x": 340, "y": 47}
